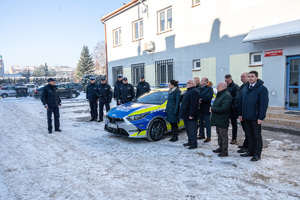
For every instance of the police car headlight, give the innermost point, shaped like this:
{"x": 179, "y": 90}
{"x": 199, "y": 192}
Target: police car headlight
{"x": 137, "y": 117}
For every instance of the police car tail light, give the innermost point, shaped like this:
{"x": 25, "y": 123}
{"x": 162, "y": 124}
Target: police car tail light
{"x": 137, "y": 117}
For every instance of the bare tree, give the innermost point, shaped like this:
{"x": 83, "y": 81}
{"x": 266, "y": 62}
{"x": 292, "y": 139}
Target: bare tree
{"x": 99, "y": 56}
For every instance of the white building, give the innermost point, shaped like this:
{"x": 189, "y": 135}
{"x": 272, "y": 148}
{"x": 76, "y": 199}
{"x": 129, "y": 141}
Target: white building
{"x": 181, "y": 39}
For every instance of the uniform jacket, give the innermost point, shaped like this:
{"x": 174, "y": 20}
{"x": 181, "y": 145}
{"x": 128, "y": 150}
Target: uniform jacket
{"x": 220, "y": 110}
{"x": 142, "y": 88}
{"x": 125, "y": 93}
{"x": 172, "y": 108}
{"x": 104, "y": 92}
{"x": 254, "y": 102}
{"x": 206, "y": 95}
{"x": 50, "y": 96}
{"x": 116, "y": 88}
{"x": 239, "y": 95}
{"x": 189, "y": 104}
{"x": 91, "y": 92}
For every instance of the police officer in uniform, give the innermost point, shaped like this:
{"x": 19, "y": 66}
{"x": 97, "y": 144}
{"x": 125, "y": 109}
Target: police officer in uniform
{"x": 51, "y": 101}
{"x": 118, "y": 83}
{"x": 92, "y": 98}
{"x": 125, "y": 93}
{"x": 104, "y": 93}
{"x": 142, "y": 87}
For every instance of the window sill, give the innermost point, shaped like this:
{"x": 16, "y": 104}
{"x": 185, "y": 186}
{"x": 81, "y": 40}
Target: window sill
{"x": 117, "y": 45}
{"x": 164, "y": 32}
{"x": 260, "y": 65}
{"x": 194, "y": 70}
{"x": 136, "y": 40}
{"x": 195, "y": 5}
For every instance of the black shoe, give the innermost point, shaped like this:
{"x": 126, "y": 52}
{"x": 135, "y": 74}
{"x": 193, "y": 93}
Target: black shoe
{"x": 200, "y": 137}
{"x": 100, "y": 120}
{"x": 255, "y": 158}
{"x": 192, "y": 147}
{"x": 58, "y": 130}
{"x": 218, "y": 150}
{"x": 240, "y": 146}
{"x": 247, "y": 154}
{"x": 242, "y": 150}
{"x": 222, "y": 154}
{"x": 187, "y": 144}
{"x": 174, "y": 140}
{"x": 93, "y": 119}
{"x": 171, "y": 140}
{"x": 50, "y": 132}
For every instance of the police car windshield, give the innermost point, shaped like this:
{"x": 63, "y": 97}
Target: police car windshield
{"x": 154, "y": 98}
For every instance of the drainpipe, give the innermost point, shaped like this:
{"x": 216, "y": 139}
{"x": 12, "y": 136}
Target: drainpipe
{"x": 106, "y": 62}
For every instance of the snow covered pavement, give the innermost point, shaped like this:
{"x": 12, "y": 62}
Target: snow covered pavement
{"x": 85, "y": 162}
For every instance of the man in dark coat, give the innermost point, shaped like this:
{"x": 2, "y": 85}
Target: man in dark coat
{"x": 232, "y": 88}
{"x": 252, "y": 110}
{"x": 51, "y": 101}
{"x": 244, "y": 79}
{"x": 206, "y": 94}
{"x": 220, "y": 118}
{"x": 118, "y": 83}
{"x": 104, "y": 94}
{"x": 125, "y": 93}
{"x": 189, "y": 113}
{"x": 91, "y": 96}
{"x": 142, "y": 87}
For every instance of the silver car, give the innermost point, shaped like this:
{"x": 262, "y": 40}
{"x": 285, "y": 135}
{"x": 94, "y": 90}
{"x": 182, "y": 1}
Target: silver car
{"x": 8, "y": 91}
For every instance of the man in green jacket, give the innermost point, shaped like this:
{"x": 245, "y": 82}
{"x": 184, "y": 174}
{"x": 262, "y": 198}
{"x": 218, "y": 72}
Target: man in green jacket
{"x": 220, "y": 118}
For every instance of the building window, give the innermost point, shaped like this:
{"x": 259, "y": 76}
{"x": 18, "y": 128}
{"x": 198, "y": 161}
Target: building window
{"x": 137, "y": 70}
{"x": 196, "y": 2}
{"x": 256, "y": 58}
{"x": 165, "y": 20}
{"x": 196, "y": 64}
{"x": 138, "y": 29}
{"x": 117, "y": 37}
{"x": 164, "y": 70}
{"x": 115, "y": 72}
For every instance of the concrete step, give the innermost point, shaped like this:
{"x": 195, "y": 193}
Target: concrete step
{"x": 278, "y": 115}
{"x": 283, "y": 121}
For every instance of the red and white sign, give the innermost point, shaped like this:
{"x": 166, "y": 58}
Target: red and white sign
{"x": 277, "y": 52}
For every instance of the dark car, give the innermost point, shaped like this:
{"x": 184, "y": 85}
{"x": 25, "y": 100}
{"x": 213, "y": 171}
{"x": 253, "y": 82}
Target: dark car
{"x": 63, "y": 92}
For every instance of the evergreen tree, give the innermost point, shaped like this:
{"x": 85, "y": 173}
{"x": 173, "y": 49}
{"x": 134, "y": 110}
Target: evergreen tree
{"x": 85, "y": 64}
{"x": 26, "y": 73}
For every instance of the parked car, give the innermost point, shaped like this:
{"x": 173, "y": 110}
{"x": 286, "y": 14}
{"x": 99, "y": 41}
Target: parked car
{"x": 8, "y": 91}
{"x": 31, "y": 88}
{"x": 145, "y": 118}
{"x": 63, "y": 92}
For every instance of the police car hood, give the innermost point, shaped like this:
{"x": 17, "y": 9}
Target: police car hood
{"x": 131, "y": 109}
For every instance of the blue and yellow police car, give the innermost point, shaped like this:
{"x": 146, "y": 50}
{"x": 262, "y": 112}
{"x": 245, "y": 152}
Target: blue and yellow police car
{"x": 145, "y": 118}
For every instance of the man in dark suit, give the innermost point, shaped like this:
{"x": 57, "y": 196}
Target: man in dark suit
{"x": 51, "y": 101}
{"x": 142, "y": 87}
{"x": 104, "y": 94}
{"x": 91, "y": 96}
{"x": 252, "y": 111}
{"x": 125, "y": 93}
{"x": 189, "y": 113}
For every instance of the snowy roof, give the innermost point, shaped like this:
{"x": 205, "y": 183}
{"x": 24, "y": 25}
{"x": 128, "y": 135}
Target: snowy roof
{"x": 276, "y": 31}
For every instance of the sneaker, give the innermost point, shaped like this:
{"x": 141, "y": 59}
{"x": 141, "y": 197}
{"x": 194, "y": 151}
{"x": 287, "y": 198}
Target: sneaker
{"x": 207, "y": 140}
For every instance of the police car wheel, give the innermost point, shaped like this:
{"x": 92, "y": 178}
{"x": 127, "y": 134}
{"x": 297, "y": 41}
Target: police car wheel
{"x": 156, "y": 130}
{"x": 4, "y": 95}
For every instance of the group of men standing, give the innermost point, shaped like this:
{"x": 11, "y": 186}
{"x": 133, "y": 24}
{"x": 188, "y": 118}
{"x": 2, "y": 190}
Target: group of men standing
{"x": 248, "y": 103}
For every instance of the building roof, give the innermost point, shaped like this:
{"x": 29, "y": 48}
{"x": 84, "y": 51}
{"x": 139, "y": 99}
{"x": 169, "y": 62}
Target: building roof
{"x": 119, "y": 10}
{"x": 276, "y": 31}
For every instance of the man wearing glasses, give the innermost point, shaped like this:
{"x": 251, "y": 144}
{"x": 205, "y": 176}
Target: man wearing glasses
{"x": 189, "y": 113}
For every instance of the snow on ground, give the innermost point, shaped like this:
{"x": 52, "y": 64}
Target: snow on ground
{"x": 85, "y": 162}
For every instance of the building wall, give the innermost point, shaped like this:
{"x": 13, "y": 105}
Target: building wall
{"x": 212, "y": 32}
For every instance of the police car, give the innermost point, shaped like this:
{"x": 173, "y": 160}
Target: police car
{"x": 145, "y": 118}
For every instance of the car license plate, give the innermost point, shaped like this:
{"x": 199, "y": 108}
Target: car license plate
{"x": 112, "y": 125}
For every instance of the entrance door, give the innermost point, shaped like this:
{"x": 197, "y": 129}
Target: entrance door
{"x": 293, "y": 88}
